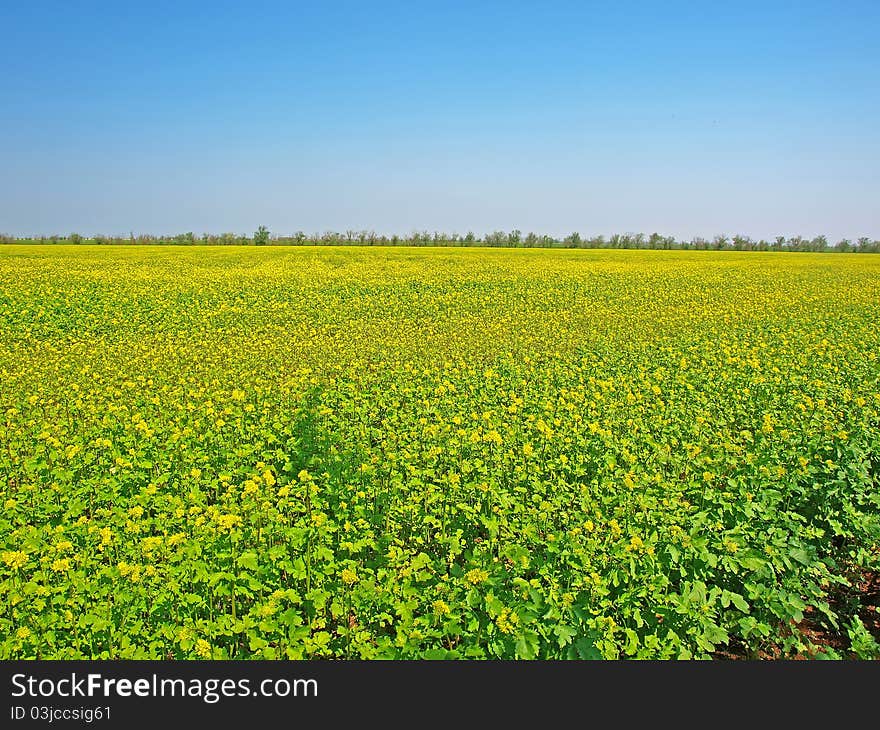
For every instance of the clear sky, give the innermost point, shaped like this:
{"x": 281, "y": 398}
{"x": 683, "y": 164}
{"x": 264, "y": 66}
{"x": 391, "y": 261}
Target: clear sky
{"x": 686, "y": 118}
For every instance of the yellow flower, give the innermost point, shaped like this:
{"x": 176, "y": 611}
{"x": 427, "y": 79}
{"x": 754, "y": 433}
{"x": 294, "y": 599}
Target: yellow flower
{"x": 476, "y": 576}
{"x": 228, "y": 521}
{"x": 15, "y": 559}
{"x": 203, "y": 649}
{"x": 349, "y": 577}
{"x": 493, "y": 437}
{"x": 507, "y": 621}
{"x": 61, "y": 565}
{"x": 441, "y": 608}
{"x": 23, "y": 633}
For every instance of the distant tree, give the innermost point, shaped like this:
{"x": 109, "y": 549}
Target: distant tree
{"x": 720, "y": 243}
{"x": 572, "y": 240}
{"x": 866, "y": 245}
{"x": 797, "y": 243}
{"x": 514, "y": 238}
{"x": 261, "y": 237}
{"x": 742, "y": 243}
{"x": 632, "y": 240}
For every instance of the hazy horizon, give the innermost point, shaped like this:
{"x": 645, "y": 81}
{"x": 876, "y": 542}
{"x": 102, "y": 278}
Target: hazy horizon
{"x": 687, "y": 120}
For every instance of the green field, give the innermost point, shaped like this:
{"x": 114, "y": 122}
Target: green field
{"x": 222, "y": 452}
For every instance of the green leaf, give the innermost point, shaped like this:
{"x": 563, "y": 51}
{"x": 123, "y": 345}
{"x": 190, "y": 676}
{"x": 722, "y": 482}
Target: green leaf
{"x": 248, "y": 560}
{"x": 586, "y": 649}
{"x": 527, "y": 645}
{"x": 737, "y": 600}
{"x": 564, "y": 634}
{"x": 800, "y": 555}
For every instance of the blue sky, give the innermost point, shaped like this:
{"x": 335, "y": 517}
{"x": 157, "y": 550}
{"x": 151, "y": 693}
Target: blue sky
{"x": 685, "y": 118}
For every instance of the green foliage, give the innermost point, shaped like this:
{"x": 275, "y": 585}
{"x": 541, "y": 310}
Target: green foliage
{"x": 261, "y": 237}
{"x": 864, "y": 645}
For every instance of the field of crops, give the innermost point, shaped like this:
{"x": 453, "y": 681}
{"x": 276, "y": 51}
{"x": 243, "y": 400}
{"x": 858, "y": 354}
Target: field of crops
{"x": 300, "y": 453}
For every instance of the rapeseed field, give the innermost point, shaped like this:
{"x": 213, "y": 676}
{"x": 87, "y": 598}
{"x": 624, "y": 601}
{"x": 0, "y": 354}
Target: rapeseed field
{"x": 435, "y": 453}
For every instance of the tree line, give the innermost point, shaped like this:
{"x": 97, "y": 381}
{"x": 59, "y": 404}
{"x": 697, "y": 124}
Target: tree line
{"x": 495, "y": 239}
